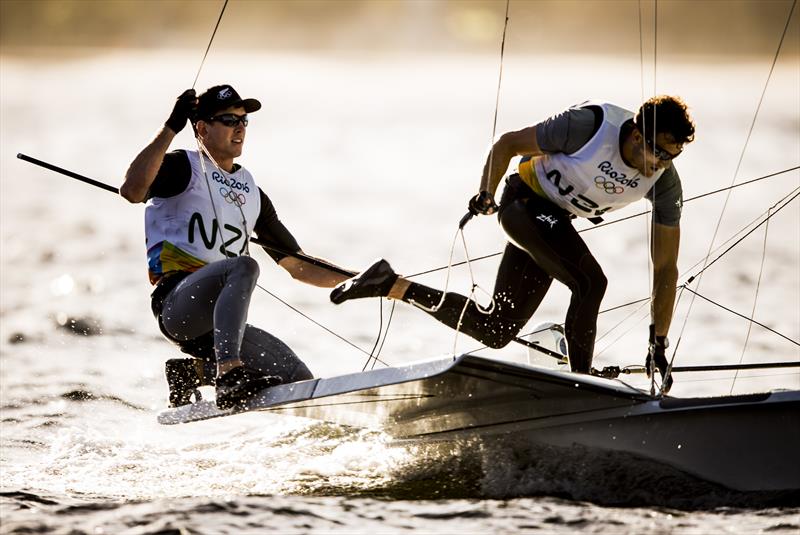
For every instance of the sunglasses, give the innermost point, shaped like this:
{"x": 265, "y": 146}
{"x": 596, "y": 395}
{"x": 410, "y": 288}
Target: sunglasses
{"x": 230, "y": 119}
{"x": 660, "y": 153}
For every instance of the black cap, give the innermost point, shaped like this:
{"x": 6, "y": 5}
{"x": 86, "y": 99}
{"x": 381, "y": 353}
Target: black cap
{"x": 220, "y": 97}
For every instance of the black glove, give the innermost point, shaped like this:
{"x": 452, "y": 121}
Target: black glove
{"x": 184, "y": 109}
{"x": 482, "y": 203}
{"x": 656, "y": 354}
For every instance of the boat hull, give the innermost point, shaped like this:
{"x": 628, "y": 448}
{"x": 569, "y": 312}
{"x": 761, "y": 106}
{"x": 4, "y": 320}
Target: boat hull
{"x": 746, "y": 443}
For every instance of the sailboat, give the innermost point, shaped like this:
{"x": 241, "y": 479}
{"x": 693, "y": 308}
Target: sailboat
{"x": 743, "y": 442}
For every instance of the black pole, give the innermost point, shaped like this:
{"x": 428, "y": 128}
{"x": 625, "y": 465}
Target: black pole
{"x": 70, "y": 174}
{"x": 724, "y": 367}
{"x": 709, "y": 368}
{"x": 257, "y": 241}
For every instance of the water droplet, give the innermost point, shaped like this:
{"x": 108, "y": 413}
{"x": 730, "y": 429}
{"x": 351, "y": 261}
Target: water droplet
{"x": 62, "y": 285}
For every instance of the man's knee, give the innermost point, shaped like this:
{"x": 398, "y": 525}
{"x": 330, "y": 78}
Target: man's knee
{"x": 247, "y": 267}
{"x": 600, "y": 283}
{"x": 592, "y": 283}
{"x": 500, "y": 335}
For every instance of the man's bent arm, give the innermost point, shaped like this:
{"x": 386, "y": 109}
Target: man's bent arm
{"x": 664, "y": 251}
{"x": 519, "y": 143}
{"x": 144, "y": 168}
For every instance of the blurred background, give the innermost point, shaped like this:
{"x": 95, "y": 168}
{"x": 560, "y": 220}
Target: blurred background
{"x": 376, "y": 122}
{"x": 689, "y": 27}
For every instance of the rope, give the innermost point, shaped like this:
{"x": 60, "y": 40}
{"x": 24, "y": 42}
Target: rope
{"x": 372, "y": 354}
{"x": 460, "y": 230}
{"x": 203, "y": 153}
{"x": 385, "y": 335}
{"x": 474, "y": 285}
{"x": 437, "y": 306}
{"x": 201, "y": 148}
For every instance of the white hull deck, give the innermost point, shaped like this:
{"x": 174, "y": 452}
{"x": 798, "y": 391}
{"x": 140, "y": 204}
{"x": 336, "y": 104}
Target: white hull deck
{"x": 746, "y": 443}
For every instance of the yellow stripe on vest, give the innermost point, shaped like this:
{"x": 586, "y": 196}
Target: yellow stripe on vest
{"x": 528, "y": 175}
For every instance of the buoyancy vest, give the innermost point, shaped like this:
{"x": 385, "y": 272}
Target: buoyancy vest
{"x": 198, "y": 226}
{"x": 594, "y": 179}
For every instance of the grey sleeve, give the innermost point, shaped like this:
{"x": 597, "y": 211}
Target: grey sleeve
{"x": 666, "y": 195}
{"x": 567, "y": 131}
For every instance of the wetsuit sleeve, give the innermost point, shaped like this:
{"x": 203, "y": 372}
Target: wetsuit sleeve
{"x": 270, "y": 229}
{"x": 569, "y": 130}
{"x": 173, "y": 176}
{"x": 666, "y": 195}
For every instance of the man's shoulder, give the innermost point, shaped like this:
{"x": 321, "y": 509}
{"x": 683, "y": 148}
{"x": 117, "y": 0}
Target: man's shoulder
{"x": 570, "y": 129}
{"x": 173, "y": 176}
{"x": 178, "y": 153}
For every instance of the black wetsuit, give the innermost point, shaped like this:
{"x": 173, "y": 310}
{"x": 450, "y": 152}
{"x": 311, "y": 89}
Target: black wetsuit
{"x": 541, "y": 249}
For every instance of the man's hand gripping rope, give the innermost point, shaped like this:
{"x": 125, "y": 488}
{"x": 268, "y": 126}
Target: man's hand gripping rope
{"x": 482, "y": 203}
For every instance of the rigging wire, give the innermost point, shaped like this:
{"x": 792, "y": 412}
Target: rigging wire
{"x": 461, "y": 226}
{"x": 489, "y": 171}
{"x": 499, "y": 82}
{"x": 619, "y": 324}
{"x": 771, "y": 212}
{"x": 203, "y": 151}
{"x": 791, "y": 196}
{"x": 318, "y": 324}
{"x": 644, "y": 125}
{"x": 767, "y": 215}
{"x": 620, "y": 220}
{"x": 655, "y": 55}
{"x": 733, "y": 180}
{"x": 467, "y": 261}
{"x": 749, "y": 319}
{"x": 641, "y": 52}
{"x": 202, "y": 62}
{"x": 650, "y": 234}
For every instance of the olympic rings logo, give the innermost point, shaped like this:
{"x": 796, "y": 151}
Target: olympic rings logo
{"x": 231, "y": 197}
{"x": 608, "y": 186}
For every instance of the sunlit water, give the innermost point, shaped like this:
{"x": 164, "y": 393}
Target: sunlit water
{"x": 363, "y": 158}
